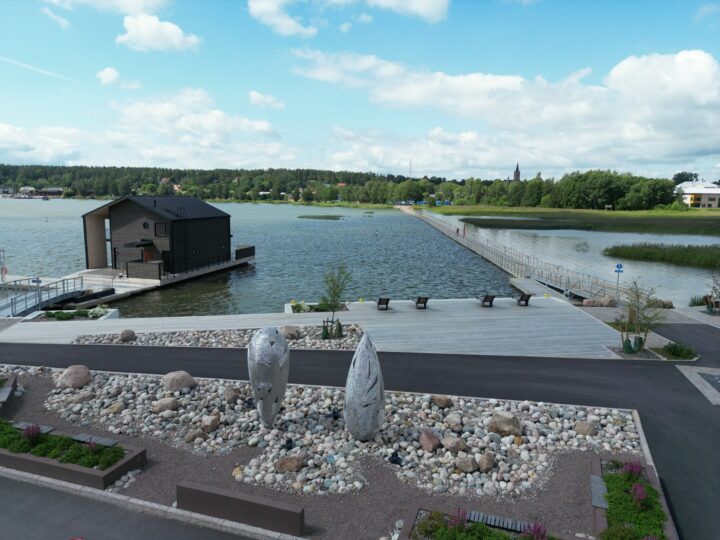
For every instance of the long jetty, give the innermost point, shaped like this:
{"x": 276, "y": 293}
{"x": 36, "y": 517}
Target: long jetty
{"x": 521, "y": 266}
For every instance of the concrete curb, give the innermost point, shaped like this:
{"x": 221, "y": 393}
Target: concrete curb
{"x": 146, "y": 507}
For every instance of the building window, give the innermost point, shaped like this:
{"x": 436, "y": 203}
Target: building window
{"x": 711, "y": 199}
{"x": 161, "y": 229}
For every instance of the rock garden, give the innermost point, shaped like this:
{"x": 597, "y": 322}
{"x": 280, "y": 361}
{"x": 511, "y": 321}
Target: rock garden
{"x": 299, "y": 337}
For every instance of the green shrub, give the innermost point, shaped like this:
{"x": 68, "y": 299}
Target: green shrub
{"x": 697, "y": 300}
{"x": 679, "y": 351}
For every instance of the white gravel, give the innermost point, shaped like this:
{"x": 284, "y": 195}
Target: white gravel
{"x": 310, "y": 338}
{"x": 310, "y": 426}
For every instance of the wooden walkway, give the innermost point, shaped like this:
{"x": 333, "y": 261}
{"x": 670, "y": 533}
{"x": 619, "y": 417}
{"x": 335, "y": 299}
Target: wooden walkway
{"x": 548, "y": 327}
{"x": 521, "y": 265}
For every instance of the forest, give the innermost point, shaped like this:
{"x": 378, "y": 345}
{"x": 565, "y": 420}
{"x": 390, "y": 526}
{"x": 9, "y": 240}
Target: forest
{"x": 594, "y": 189}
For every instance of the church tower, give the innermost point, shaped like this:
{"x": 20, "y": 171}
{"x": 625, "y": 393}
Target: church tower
{"x": 516, "y": 176}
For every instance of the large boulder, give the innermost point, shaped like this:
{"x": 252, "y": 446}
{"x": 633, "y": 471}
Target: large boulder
{"x": 466, "y": 464}
{"x": 165, "y": 404}
{"x": 454, "y": 422}
{"x": 453, "y": 444}
{"x": 486, "y": 462}
{"x": 290, "y": 332}
{"x": 505, "y": 423}
{"x": 585, "y": 428}
{"x": 442, "y": 402}
{"x": 209, "y": 423}
{"x": 75, "y": 376}
{"x": 177, "y": 380}
{"x": 429, "y": 441}
{"x": 127, "y": 336}
{"x": 288, "y": 464}
{"x": 269, "y": 367}
{"x": 364, "y": 393}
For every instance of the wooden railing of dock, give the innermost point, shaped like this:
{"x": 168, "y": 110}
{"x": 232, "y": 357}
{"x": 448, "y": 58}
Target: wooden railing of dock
{"x": 521, "y": 265}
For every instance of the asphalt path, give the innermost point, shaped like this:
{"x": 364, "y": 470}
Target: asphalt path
{"x": 682, "y": 427}
{"x": 31, "y": 512}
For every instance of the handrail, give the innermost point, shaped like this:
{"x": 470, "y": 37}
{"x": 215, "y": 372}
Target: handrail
{"x": 44, "y": 294}
{"x": 520, "y": 264}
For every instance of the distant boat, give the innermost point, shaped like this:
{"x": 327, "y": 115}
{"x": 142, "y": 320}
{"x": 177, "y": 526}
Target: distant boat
{"x": 45, "y": 198}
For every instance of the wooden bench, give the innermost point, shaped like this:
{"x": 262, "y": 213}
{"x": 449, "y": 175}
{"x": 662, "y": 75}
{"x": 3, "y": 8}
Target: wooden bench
{"x": 421, "y": 302}
{"x": 487, "y": 300}
{"x": 524, "y": 300}
{"x": 383, "y": 303}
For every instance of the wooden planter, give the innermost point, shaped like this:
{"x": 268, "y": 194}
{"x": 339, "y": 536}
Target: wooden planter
{"x": 85, "y": 476}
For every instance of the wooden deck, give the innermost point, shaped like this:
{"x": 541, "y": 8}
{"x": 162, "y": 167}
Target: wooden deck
{"x": 548, "y": 327}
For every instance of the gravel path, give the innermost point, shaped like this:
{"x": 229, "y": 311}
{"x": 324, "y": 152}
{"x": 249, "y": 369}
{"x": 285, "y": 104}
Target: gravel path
{"x": 367, "y": 513}
{"x": 305, "y": 337}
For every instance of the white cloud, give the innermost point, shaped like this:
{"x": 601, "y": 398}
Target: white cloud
{"x": 345, "y": 27}
{"x": 183, "y": 129}
{"x": 650, "y": 109}
{"x": 108, "y": 75}
{"x": 272, "y": 13}
{"x": 57, "y": 19}
{"x": 265, "y": 100}
{"x": 364, "y": 18}
{"x": 111, "y": 76}
{"x": 707, "y": 10}
{"x": 146, "y": 32}
{"x": 118, "y": 6}
{"x": 42, "y": 145}
{"x": 430, "y": 10}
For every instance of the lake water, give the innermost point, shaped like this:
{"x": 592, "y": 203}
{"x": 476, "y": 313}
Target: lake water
{"x": 388, "y": 253}
{"x": 583, "y": 251}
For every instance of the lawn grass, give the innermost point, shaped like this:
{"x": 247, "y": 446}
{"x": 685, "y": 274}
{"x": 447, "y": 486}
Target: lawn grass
{"x": 628, "y": 520}
{"x": 58, "y": 447}
{"x": 693, "y": 221}
{"x": 677, "y": 254}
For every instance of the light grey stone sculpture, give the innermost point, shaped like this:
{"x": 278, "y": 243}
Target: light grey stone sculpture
{"x": 269, "y": 367}
{"x": 364, "y": 393}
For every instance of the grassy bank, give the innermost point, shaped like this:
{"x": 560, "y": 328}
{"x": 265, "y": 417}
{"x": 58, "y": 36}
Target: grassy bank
{"x": 679, "y": 254}
{"x": 693, "y": 221}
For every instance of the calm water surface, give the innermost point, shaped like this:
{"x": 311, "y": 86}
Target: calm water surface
{"x": 583, "y": 251}
{"x": 388, "y": 253}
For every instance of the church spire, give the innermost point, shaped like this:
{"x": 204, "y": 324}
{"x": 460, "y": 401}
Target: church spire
{"x": 516, "y": 176}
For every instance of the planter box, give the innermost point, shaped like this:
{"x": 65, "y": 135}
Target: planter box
{"x": 248, "y": 509}
{"x": 85, "y": 476}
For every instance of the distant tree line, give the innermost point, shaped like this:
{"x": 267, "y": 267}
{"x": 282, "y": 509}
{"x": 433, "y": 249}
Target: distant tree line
{"x": 591, "y": 189}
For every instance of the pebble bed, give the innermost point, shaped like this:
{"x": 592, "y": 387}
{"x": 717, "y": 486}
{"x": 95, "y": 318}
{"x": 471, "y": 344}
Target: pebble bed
{"x": 310, "y": 338}
{"x": 308, "y": 451}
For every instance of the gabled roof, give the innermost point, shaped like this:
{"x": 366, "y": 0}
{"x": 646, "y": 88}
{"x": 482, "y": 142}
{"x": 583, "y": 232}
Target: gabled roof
{"x": 170, "y": 208}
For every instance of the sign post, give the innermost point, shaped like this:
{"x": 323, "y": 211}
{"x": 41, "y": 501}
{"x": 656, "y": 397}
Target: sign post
{"x": 618, "y": 271}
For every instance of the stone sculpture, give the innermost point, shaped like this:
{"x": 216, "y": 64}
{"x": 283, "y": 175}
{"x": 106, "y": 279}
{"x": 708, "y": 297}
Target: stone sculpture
{"x": 269, "y": 367}
{"x": 364, "y": 393}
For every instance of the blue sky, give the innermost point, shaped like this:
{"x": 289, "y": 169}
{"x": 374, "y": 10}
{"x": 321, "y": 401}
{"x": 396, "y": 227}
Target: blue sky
{"x": 457, "y": 87}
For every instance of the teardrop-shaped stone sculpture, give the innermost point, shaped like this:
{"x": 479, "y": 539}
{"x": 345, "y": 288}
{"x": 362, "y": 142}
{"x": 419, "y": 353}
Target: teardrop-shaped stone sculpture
{"x": 364, "y": 393}
{"x": 269, "y": 367}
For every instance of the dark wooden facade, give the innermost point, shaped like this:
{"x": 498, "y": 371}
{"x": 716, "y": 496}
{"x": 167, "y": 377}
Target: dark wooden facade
{"x": 152, "y": 236}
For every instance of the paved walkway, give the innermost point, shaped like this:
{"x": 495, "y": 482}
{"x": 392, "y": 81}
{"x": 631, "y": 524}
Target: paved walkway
{"x": 547, "y": 327}
{"x": 682, "y": 426}
{"x": 32, "y": 512}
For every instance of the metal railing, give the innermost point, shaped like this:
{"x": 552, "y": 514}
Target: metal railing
{"x": 522, "y": 265}
{"x": 44, "y": 295}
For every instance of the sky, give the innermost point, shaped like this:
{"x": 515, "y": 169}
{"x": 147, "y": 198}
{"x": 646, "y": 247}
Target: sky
{"x": 455, "y": 88}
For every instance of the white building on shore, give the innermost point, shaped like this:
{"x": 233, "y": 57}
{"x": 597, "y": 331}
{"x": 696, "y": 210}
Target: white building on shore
{"x": 700, "y": 194}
